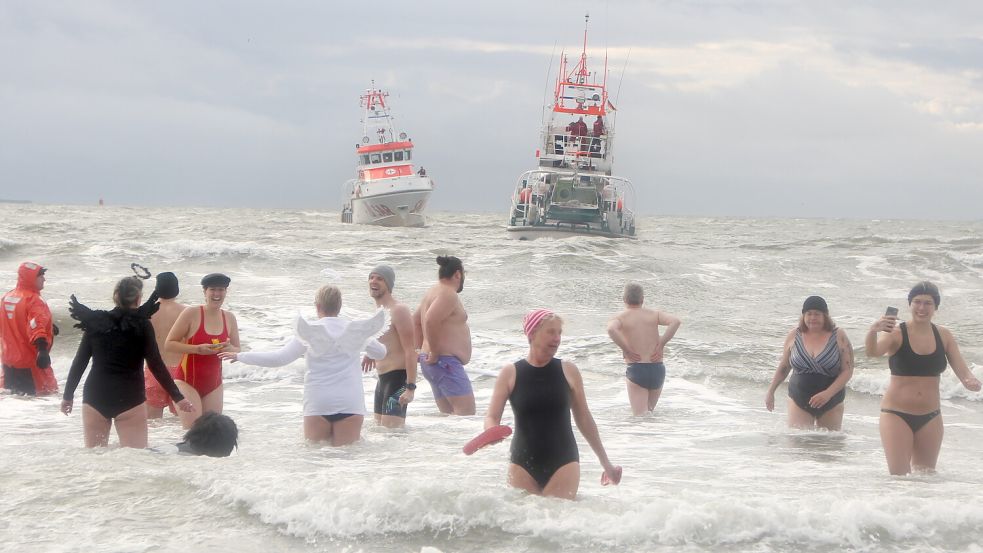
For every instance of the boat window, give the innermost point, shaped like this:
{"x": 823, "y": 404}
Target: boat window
{"x": 365, "y": 159}
{"x": 376, "y": 158}
{"x": 387, "y": 157}
{"x": 398, "y": 156}
{"x": 408, "y": 156}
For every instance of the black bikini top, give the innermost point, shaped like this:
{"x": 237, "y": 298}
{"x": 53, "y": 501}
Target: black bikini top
{"x": 908, "y": 363}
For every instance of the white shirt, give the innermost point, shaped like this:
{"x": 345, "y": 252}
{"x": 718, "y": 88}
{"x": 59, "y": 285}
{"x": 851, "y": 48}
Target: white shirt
{"x": 333, "y": 382}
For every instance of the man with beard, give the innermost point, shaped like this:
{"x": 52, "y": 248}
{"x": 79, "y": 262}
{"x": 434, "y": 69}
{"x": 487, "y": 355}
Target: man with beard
{"x": 397, "y": 370}
{"x": 444, "y": 339}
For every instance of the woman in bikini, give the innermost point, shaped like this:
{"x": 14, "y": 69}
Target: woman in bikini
{"x": 118, "y": 342}
{"x": 199, "y": 334}
{"x": 820, "y": 357}
{"x": 911, "y": 421}
{"x": 543, "y": 391}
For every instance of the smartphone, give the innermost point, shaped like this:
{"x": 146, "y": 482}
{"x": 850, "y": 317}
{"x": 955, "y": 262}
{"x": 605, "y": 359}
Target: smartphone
{"x": 891, "y": 312}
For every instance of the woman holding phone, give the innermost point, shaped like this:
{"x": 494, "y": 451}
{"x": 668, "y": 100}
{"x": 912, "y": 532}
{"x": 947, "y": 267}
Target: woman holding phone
{"x": 911, "y": 421}
{"x": 820, "y": 357}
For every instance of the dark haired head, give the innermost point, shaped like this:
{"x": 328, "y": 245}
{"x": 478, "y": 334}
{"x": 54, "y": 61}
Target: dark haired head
{"x": 448, "y": 266}
{"x": 213, "y": 434}
{"x": 167, "y": 286}
{"x": 215, "y": 280}
{"x": 925, "y": 288}
{"x": 816, "y": 303}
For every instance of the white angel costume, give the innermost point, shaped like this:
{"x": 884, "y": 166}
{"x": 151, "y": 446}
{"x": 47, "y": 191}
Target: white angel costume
{"x": 333, "y": 382}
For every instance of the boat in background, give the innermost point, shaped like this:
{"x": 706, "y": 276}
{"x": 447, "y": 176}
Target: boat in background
{"x": 573, "y": 190}
{"x": 385, "y": 191}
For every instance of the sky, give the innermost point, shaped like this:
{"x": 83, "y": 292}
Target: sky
{"x": 769, "y": 108}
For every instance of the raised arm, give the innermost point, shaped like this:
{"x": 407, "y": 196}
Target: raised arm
{"x": 291, "y": 351}
{"x": 877, "y": 344}
{"x": 583, "y": 418}
{"x": 781, "y": 373}
{"x": 500, "y": 394}
{"x": 957, "y": 362}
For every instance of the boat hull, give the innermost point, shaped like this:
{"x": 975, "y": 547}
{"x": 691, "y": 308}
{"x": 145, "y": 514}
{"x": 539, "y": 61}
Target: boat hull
{"x": 528, "y": 232}
{"x": 394, "y": 209}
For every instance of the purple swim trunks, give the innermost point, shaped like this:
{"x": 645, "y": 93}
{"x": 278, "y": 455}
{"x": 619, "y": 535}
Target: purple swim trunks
{"x": 446, "y": 377}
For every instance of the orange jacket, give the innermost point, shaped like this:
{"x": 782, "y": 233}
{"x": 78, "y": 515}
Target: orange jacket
{"x": 25, "y": 317}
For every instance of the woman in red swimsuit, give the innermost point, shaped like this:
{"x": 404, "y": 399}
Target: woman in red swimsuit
{"x": 199, "y": 334}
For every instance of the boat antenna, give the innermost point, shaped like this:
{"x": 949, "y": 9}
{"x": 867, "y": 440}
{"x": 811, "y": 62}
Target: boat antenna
{"x": 546, "y": 86}
{"x": 617, "y": 95}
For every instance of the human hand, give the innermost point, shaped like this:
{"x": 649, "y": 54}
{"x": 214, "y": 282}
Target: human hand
{"x": 820, "y": 399}
{"x": 66, "y": 406}
{"x": 368, "y": 364}
{"x": 612, "y": 475}
{"x": 406, "y": 397}
{"x": 885, "y": 323}
{"x": 632, "y": 357}
{"x": 770, "y": 401}
{"x": 205, "y": 349}
{"x": 185, "y": 406}
{"x": 972, "y": 383}
{"x": 44, "y": 360}
{"x": 229, "y": 356}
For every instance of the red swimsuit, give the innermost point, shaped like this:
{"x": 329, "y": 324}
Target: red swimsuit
{"x": 203, "y": 372}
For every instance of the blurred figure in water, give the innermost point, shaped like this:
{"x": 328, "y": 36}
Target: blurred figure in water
{"x": 167, "y": 289}
{"x": 636, "y": 331}
{"x": 213, "y": 434}
{"x": 543, "y": 391}
{"x": 820, "y": 357}
{"x": 911, "y": 419}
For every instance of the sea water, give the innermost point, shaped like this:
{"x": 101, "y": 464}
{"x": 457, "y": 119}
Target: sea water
{"x": 709, "y": 470}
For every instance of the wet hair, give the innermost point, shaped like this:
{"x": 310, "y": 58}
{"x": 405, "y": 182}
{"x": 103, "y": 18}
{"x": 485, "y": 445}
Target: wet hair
{"x": 213, "y": 434}
{"x": 127, "y": 292}
{"x": 328, "y": 300}
{"x": 634, "y": 295}
{"x": 448, "y": 266}
{"x": 925, "y": 288}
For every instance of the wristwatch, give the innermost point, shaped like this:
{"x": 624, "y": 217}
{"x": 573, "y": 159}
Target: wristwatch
{"x": 411, "y": 386}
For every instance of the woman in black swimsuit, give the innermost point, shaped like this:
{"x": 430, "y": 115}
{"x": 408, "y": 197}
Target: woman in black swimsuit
{"x": 911, "y": 422}
{"x": 543, "y": 391}
{"x": 118, "y": 342}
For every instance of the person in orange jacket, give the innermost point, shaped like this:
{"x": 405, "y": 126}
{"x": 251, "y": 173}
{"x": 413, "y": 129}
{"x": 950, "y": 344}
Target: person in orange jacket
{"x": 26, "y": 335}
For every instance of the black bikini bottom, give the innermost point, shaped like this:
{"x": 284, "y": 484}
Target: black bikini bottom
{"x": 915, "y": 422}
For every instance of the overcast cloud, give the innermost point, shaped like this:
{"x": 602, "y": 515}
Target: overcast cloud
{"x": 756, "y": 108}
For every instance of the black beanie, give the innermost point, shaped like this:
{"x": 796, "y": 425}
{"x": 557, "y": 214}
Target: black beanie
{"x": 815, "y": 302}
{"x": 167, "y": 287}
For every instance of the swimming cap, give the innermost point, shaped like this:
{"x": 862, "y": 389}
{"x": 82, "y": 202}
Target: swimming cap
{"x": 532, "y": 320}
{"x": 815, "y": 302}
{"x": 167, "y": 287}
{"x": 925, "y": 288}
{"x": 387, "y": 273}
{"x": 215, "y": 280}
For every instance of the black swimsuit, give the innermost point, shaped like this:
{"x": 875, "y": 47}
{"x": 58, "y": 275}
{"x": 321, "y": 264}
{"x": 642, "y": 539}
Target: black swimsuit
{"x": 543, "y": 440}
{"x": 118, "y": 342}
{"x": 905, "y": 362}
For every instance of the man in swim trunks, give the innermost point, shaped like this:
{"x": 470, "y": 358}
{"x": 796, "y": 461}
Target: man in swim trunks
{"x": 444, "y": 339}
{"x": 162, "y": 321}
{"x": 26, "y": 335}
{"x": 198, "y": 335}
{"x": 397, "y": 370}
{"x": 636, "y": 331}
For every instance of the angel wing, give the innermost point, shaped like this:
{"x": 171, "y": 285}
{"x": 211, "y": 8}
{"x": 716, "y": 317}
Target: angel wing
{"x": 350, "y": 340}
{"x": 88, "y": 319}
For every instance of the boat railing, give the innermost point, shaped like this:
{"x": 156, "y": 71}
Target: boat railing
{"x": 574, "y": 147}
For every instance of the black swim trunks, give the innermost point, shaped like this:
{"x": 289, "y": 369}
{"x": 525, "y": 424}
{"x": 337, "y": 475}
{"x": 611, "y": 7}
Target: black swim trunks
{"x": 650, "y": 376}
{"x": 18, "y": 381}
{"x": 391, "y": 385}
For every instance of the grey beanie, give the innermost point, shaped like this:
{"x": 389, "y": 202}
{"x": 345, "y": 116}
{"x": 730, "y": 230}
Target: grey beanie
{"x": 387, "y": 273}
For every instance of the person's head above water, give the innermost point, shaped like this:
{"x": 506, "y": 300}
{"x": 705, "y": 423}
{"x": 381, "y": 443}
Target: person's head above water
{"x": 450, "y": 266}
{"x": 127, "y": 293}
{"x": 327, "y": 300}
{"x": 167, "y": 286}
{"x": 213, "y": 434}
{"x": 387, "y": 274}
{"x": 634, "y": 295}
{"x": 215, "y": 280}
{"x": 925, "y": 288}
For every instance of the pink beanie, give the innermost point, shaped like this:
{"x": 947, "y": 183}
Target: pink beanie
{"x": 532, "y": 320}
